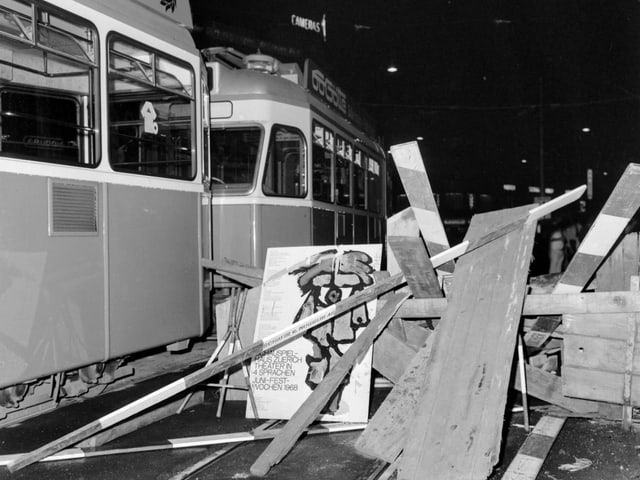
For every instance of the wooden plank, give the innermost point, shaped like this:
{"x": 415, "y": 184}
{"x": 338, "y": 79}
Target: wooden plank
{"x": 312, "y": 406}
{"x": 413, "y": 175}
{"x": 140, "y": 421}
{"x": 206, "y": 372}
{"x": 627, "y": 409}
{"x": 391, "y": 355}
{"x": 601, "y": 325}
{"x": 461, "y": 408}
{"x": 385, "y": 434}
{"x": 548, "y": 387}
{"x": 616, "y": 213}
{"x": 529, "y": 459}
{"x": 413, "y": 260}
{"x": 621, "y": 264}
{"x": 598, "y": 385}
{"x": 597, "y": 353}
{"x": 541, "y": 330}
{"x": 548, "y": 304}
{"x": 245, "y": 274}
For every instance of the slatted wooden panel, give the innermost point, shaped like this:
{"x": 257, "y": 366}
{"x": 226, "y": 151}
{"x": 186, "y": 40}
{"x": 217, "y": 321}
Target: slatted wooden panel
{"x": 457, "y": 426}
{"x": 599, "y": 349}
{"x": 595, "y": 357}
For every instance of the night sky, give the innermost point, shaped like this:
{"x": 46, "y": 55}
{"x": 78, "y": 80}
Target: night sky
{"x": 485, "y": 83}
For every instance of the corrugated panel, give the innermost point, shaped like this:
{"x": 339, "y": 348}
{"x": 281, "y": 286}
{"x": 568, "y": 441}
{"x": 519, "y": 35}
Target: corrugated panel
{"x": 73, "y": 208}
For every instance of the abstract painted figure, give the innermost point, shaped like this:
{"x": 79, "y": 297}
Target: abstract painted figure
{"x": 329, "y": 277}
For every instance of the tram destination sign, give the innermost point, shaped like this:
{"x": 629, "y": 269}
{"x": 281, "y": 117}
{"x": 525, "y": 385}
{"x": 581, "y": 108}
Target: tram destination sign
{"x": 324, "y": 88}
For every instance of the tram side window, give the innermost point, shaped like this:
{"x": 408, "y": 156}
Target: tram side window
{"x": 374, "y": 186}
{"x": 151, "y": 112}
{"x": 344, "y": 160}
{"x": 322, "y": 156}
{"x": 47, "y": 92}
{"x": 234, "y": 158}
{"x": 286, "y": 168}
{"x": 359, "y": 180}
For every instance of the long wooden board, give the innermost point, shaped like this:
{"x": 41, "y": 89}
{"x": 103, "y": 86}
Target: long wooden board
{"x": 310, "y": 409}
{"x": 457, "y": 426}
{"x": 546, "y": 304}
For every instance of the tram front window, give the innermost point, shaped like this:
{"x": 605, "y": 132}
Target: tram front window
{"x": 285, "y": 171}
{"x": 234, "y": 158}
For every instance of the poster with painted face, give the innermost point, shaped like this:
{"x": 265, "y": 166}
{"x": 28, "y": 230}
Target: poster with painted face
{"x": 299, "y": 282}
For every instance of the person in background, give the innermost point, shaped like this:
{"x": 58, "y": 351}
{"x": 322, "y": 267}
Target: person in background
{"x": 556, "y": 248}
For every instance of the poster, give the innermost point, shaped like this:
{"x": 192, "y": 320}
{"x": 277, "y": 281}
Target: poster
{"x": 299, "y": 282}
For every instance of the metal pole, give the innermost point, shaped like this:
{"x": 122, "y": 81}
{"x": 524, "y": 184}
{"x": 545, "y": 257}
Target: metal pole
{"x": 541, "y": 135}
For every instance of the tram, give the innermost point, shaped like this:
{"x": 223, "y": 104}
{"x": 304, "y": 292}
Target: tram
{"x": 292, "y": 162}
{"x": 102, "y": 123}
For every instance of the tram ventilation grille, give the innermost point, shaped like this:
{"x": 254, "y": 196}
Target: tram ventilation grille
{"x": 73, "y": 209}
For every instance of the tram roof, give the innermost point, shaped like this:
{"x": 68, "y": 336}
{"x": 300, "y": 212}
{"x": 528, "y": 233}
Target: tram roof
{"x": 152, "y": 17}
{"x": 285, "y": 83}
{"x": 247, "y": 82}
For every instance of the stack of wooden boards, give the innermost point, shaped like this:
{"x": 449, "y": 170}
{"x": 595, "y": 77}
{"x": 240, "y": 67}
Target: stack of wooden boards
{"x": 445, "y": 412}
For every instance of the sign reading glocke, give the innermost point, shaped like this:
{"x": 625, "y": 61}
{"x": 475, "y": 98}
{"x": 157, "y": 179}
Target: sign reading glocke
{"x": 321, "y": 86}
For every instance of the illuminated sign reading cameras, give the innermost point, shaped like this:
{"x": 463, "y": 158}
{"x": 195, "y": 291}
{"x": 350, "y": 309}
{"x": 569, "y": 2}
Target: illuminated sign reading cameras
{"x": 306, "y": 23}
{"x": 327, "y": 90}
